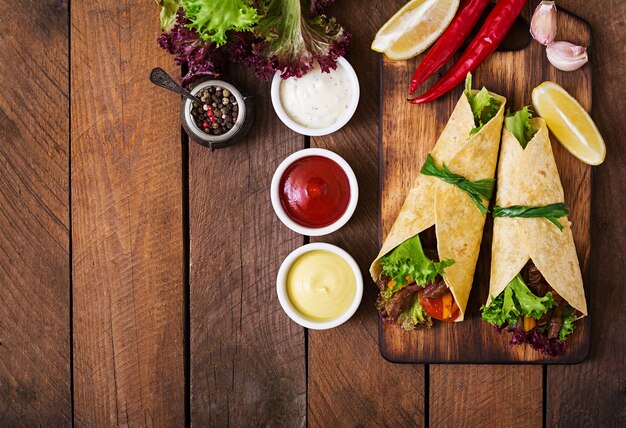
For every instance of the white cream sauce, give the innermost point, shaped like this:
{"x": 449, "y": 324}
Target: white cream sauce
{"x": 317, "y": 100}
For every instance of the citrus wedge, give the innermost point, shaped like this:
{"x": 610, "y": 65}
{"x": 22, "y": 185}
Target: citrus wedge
{"x": 414, "y": 27}
{"x": 569, "y": 122}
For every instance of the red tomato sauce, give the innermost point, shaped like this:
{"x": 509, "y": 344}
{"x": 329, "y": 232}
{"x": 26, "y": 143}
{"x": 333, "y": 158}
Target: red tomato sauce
{"x": 314, "y": 191}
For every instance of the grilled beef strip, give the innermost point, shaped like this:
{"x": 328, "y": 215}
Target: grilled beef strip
{"x": 436, "y": 289}
{"x": 539, "y": 286}
{"x": 391, "y": 310}
{"x": 382, "y": 282}
{"x": 556, "y": 322}
{"x": 535, "y": 280}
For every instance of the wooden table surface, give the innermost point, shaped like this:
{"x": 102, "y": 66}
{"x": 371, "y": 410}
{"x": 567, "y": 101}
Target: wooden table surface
{"x": 137, "y": 269}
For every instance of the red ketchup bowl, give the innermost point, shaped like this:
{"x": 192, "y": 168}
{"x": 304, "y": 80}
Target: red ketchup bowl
{"x": 314, "y": 192}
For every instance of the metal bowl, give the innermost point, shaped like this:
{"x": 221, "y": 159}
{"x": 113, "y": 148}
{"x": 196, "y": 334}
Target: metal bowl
{"x": 239, "y": 129}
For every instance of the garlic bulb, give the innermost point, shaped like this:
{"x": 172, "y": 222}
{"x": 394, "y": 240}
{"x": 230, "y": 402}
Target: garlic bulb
{"x": 567, "y": 56}
{"x": 543, "y": 23}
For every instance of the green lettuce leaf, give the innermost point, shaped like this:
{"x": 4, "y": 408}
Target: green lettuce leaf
{"x": 569, "y": 316}
{"x": 519, "y": 125}
{"x": 408, "y": 259}
{"x": 168, "y": 13}
{"x": 484, "y": 106}
{"x": 530, "y": 305}
{"x": 213, "y": 18}
{"x": 514, "y": 302}
{"x": 502, "y": 310}
{"x": 414, "y": 316}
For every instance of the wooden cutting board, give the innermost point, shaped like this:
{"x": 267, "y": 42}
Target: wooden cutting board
{"x": 409, "y": 132}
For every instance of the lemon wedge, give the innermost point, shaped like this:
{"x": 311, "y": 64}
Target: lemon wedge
{"x": 414, "y": 27}
{"x": 569, "y": 122}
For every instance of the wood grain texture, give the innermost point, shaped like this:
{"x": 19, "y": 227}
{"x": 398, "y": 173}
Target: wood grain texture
{"x": 34, "y": 215}
{"x": 126, "y": 221}
{"x": 348, "y": 378}
{"x": 247, "y": 357}
{"x": 591, "y": 394}
{"x": 472, "y": 396}
{"x": 409, "y": 133}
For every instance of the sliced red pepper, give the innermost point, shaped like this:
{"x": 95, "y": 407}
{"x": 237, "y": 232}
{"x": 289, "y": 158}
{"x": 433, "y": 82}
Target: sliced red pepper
{"x": 449, "y": 42}
{"x": 435, "y": 307}
{"x": 490, "y": 35}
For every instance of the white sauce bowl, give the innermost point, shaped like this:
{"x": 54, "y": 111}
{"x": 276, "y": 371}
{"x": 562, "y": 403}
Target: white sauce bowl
{"x": 292, "y": 312}
{"x": 278, "y": 206}
{"x": 315, "y": 132}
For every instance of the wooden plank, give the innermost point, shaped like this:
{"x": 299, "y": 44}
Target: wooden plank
{"x": 505, "y": 396}
{"x": 247, "y": 356}
{"x": 34, "y": 215}
{"x": 350, "y": 384}
{"x": 126, "y": 221}
{"x": 592, "y": 393}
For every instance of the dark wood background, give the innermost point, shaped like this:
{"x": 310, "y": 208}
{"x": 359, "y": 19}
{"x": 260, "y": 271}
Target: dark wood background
{"x": 137, "y": 269}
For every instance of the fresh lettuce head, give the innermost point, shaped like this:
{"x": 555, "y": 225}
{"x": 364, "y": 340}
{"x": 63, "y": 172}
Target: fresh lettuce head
{"x": 514, "y": 302}
{"x": 213, "y": 18}
{"x": 484, "y": 106}
{"x": 408, "y": 260}
{"x": 292, "y": 42}
{"x": 519, "y": 125}
{"x": 414, "y": 316}
{"x": 289, "y": 36}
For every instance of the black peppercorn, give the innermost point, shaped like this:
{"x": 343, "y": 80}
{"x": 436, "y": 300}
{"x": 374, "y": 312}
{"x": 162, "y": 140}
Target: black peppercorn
{"x": 219, "y": 112}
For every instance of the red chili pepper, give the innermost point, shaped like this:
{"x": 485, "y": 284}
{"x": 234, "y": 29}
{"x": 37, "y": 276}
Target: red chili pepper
{"x": 449, "y": 42}
{"x": 496, "y": 26}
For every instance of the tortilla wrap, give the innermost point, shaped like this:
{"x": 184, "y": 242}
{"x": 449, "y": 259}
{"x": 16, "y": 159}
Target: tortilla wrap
{"x": 431, "y": 201}
{"x": 530, "y": 177}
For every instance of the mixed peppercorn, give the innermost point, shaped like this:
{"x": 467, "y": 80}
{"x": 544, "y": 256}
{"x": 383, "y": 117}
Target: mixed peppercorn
{"x": 219, "y": 112}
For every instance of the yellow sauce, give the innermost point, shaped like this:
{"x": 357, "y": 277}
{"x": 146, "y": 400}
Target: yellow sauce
{"x": 321, "y": 285}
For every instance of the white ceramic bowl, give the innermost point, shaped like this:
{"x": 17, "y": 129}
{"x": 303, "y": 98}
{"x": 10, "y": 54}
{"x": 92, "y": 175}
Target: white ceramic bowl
{"x": 292, "y": 312}
{"x": 282, "y": 214}
{"x": 314, "y": 132}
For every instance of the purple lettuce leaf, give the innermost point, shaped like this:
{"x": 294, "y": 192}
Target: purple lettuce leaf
{"x": 538, "y": 340}
{"x": 202, "y": 59}
{"x": 320, "y": 7}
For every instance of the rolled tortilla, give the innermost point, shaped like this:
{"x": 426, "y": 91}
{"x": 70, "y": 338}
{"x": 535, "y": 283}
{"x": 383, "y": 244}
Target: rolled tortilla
{"x": 431, "y": 201}
{"x": 530, "y": 177}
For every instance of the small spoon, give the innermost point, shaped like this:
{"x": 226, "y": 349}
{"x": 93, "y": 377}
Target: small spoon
{"x": 159, "y": 77}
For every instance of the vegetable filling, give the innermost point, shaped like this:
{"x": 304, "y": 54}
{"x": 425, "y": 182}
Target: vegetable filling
{"x": 412, "y": 288}
{"x": 535, "y": 314}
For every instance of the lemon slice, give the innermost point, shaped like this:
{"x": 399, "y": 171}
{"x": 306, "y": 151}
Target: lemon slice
{"x": 569, "y": 122}
{"x": 414, "y": 27}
